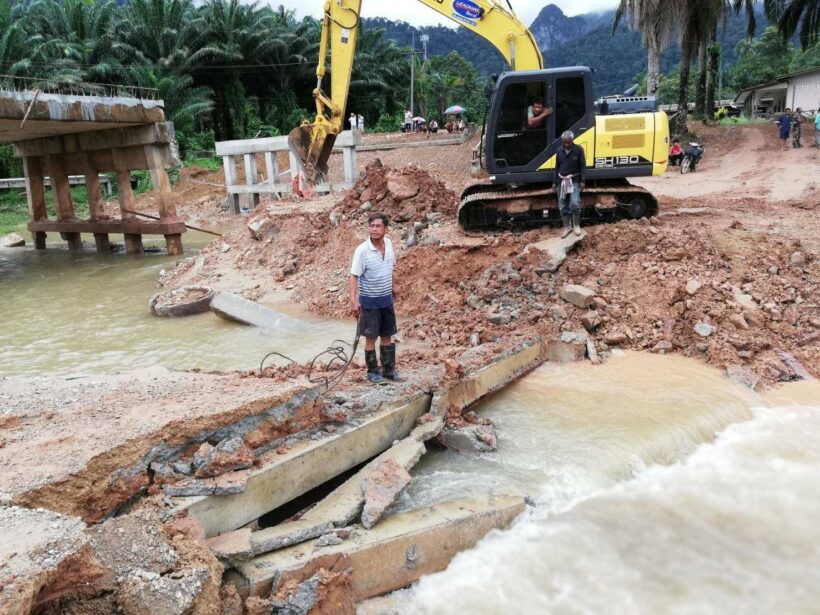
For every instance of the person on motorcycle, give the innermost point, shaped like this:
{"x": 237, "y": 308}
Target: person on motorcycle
{"x": 675, "y": 153}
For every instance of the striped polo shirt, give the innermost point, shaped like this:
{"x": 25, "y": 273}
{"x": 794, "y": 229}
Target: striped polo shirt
{"x": 375, "y": 273}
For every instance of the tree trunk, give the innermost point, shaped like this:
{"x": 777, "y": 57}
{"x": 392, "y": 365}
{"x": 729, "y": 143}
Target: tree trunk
{"x": 679, "y": 125}
{"x": 700, "y": 92}
{"x": 653, "y": 70}
{"x": 714, "y": 67}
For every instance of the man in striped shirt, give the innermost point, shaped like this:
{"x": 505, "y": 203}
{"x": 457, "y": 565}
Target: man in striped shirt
{"x": 372, "y": 290}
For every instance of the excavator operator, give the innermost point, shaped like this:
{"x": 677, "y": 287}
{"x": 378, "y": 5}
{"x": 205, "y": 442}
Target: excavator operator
{"x": 537, "y": 114}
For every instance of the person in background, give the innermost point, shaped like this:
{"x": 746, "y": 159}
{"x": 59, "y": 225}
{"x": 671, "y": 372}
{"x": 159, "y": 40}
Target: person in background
{"x": 449, "y": 126}
{"x": 784, "y": 124}
{"x": 433, "y": 126}
{"x": 817, "y": 127}
{"x": 360, "y": 122}
{"x": 537, "y": 114}
{"x": 675, "y": 153}
{"x": 570, "y": 171}
{"x": 372, "y": 291}
{"x": 797, "y": 120}
{"x": 459, "y": 124}
{"x": 408, "y": 122}
{"x": 354, "y": 122}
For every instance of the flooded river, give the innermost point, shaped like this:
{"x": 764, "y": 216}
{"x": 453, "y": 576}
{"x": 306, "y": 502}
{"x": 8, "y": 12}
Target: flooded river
{"x": 659, "y": 486}
{"x": 67, "y": 313}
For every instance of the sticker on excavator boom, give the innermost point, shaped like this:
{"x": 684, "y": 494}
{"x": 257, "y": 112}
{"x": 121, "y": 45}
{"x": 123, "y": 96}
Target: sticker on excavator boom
{"x": 345, "y": 35}
{"x": 467, "y": 11}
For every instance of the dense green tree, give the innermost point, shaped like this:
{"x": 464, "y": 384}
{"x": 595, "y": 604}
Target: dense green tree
{"x": 761, "y": 60}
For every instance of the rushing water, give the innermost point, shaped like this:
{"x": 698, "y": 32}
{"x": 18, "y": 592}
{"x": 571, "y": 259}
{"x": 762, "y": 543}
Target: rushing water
{"x": 65, "y": 313}
{"x": 660, "y": 487}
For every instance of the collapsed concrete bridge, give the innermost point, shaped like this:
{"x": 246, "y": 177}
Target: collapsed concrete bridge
{"x": 58, "y": 135}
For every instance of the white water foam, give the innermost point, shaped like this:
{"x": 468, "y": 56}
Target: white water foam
{"x": 733, "y": 528}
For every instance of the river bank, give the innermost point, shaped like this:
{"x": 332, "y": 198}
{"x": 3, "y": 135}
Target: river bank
{"x": 728, "y": 278}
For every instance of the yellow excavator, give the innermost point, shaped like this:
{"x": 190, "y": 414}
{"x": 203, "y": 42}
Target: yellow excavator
{"x": 622, "y": 136}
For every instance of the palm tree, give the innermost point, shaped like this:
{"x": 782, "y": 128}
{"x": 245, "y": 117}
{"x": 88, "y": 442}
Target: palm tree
{"x": 72, "y": 42}
{"x": 12, "y": 50}
{"x": 658, "y": 21}
{"x": 790, "y": 16}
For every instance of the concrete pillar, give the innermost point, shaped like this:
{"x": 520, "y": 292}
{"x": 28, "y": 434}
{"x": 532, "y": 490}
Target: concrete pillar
{"x": 272, "y": 168}
{"x": 251, "y": 175}
{"x": 40, "y": 240}
{"x": 35, "y": 191}
{"x": 133, "y": 243}
{"x": 96, "y": 209}
{"x": 163, "y": 195}
{"x": 62, "y": 199}
{"x": 351, "y": 168}
{"x": 229, "y": 165}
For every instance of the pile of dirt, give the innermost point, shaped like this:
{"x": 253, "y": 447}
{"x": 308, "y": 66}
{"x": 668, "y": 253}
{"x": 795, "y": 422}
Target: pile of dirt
{"x": 405, "y": 195}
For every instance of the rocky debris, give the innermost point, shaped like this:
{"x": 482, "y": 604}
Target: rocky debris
{"x": 229, "y": 455}
{"x": 795, "y": 366}
{"x": 692, "y": 287}
{"x": 469, "y": 438}
{"x": 43, "y": 554}
{"x": 743, "y": 300}
{"x": 132, "y": 542}
{"x": 591, "y": 320}
{"x": 12, "y": 240}
{"x": 570, "y": 346}
{"x": 662, "y": 347}
{"x": 743, "y": 376}
{"x": 286, "y": 534}
{"x": 224, "y": 484}
{"x": 577, "y": 295}
{"x": 797, "y": 259}
{"x": 232, "y": 546}
{"x": 324, "y": 592}
{"x": 703, "y": 329}
{"x": 381, "y": 486}
{"x": 261, "y": 225}
{"x": 556, "y": 249}
{"x": 428, "y": 427}
{"x": 738, "y": 321}
{"x": 331, "y": 539}
{"x": 149, "y": 592}
{"x": 405, "y": 195}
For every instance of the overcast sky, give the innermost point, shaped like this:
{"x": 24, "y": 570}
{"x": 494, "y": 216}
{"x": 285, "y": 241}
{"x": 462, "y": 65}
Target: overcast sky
{"x": 419, "y": 15}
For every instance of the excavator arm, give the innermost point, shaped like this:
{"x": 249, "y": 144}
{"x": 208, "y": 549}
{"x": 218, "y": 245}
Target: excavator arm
{"x": 313, "y": 143}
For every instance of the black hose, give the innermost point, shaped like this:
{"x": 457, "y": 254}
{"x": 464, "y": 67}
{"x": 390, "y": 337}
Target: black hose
{"x": 338, "y": 356}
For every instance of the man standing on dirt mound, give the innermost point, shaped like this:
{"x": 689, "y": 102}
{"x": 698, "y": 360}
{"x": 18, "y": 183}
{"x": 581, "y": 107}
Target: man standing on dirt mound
{"x": 570, "y": 169}
{"x": 372, "y": 290}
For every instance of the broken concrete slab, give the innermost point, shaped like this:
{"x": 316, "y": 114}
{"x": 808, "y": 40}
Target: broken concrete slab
{"x": 238, "y": 309}
{"x": 308, "y": 464}
{"x": 556, "y": 249}
{"x": 149, "y": 592}
{"x": 567, "y": 348}
{"x": 396, "y": 552}
{"x": 344, "y": 504}
{"x": 380, "y": 488}
{"x": 470, "y": 438}
{"x": 287, "y": 534}
{"x": 42, "y": 555}
{"x": 229, "y": 483}
{"x": 427, "y": 429}
{"x": 578, "y": 295}
{"x": 232, "y": 546}
{"x": 229, "y": 455}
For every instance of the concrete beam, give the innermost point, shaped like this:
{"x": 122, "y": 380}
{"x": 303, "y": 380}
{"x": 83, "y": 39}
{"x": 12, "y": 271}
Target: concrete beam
{"x": 348, "y": 138}
{"x": 126, "y": 227}
{"x": 244, "y": 311}
{"x": 117, "y": 138}
{"x": 344, "y": 504}
{"x": 305, "y": 466}
{"x": 395, "y": 553}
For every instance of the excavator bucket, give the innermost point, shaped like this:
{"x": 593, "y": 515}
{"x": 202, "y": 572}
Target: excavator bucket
{"x": 312, "y": 145}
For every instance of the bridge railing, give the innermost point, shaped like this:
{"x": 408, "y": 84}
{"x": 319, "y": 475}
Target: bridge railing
{"x": 16, "y": 83}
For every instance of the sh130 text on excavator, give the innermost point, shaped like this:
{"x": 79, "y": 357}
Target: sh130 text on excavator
{"x": 622, "y": 136}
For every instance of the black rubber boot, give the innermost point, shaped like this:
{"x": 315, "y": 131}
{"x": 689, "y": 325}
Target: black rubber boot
{"x": 373, "y": 373}
{"x": 567, "y": 222}
{"x": 388, "y": 356}
{"x": 576, "y": 223}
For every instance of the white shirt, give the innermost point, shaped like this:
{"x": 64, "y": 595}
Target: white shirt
{"x": 375, "y": 273}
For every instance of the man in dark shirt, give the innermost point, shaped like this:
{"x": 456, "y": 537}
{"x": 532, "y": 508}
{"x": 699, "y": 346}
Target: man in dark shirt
{"x": 570, "y": 169}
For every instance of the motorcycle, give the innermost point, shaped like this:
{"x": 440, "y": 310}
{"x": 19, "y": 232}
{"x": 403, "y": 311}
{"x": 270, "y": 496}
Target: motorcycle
{"x": 691, "y": 157}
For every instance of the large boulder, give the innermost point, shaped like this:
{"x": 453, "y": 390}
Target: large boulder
{"x": 12, "y": 240}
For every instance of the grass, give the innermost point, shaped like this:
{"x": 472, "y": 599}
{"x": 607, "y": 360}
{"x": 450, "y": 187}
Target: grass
{"x": 14, "y": 208}
{"x": 212, "y": 163}
{"x": 742, "y": 121}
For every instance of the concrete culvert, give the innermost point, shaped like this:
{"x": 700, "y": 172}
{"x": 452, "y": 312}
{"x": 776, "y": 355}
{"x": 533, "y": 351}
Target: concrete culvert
{"x": 184, "y": 301}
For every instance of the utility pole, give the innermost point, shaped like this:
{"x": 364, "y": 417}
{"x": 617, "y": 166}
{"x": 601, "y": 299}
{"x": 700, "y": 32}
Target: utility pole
{"x": 412, "y": 71}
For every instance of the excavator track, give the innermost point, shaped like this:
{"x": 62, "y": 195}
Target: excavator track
{"x": 511, "y": 207}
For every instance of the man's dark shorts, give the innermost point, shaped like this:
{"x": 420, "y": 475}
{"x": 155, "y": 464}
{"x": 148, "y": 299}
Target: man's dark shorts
{"x": 378, "y": 323}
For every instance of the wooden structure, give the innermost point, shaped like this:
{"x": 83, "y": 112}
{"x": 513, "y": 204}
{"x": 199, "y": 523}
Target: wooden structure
{"x": 253, "y": 186}
{"x": 117, "y": 150}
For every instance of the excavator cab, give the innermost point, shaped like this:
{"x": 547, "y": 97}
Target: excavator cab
{"x": 516, "y": 149}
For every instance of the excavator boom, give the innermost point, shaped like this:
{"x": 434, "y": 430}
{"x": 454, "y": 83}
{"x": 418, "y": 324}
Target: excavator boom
{"x": 313, "y": 143}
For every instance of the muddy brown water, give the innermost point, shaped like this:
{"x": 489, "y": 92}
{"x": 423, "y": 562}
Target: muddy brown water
{"x": 660, "y": 486}
{"x": 66, "y": 313}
